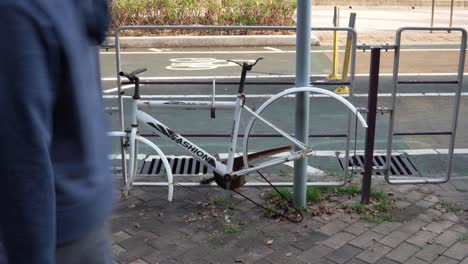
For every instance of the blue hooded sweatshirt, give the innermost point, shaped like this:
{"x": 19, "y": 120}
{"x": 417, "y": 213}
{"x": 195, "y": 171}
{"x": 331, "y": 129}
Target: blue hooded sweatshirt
{"x": 54, "y": 178}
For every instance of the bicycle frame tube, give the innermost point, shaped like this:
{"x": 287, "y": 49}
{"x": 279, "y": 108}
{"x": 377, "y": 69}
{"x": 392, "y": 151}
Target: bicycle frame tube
{"x": 191, "y": 148}
{"x": 235, "y": 131}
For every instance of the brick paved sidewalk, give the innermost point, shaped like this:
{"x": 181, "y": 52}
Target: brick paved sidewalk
{"x": 215, "y": 226}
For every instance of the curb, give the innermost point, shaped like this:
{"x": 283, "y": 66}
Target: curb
{"x": 208, "y": 41}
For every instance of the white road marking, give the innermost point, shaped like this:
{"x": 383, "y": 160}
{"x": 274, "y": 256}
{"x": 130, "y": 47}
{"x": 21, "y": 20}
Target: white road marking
{"x": 310, "y": 170}
{"x": 116, "y": 89}
{"x": 251, "y": 51}
{"x": 156, "y": 50}
{"x": 273, "y": 49}
{"x": 208, "y": 96}
{"x": 325, "y": 153}
{"x": 281, "y": 76}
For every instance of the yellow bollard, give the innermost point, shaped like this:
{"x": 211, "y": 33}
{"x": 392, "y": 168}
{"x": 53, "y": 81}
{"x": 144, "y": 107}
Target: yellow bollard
{"x": 335, "y": 75}
{"x": 343, "y": 89}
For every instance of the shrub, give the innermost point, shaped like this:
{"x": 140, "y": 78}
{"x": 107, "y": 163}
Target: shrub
{"x": 195, "y": 12}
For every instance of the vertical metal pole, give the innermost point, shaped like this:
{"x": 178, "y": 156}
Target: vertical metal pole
{"x": 432, "y": 14}
{"x": 120, "y": 101}
{"x": 303, "y": 41}
{"x": 451, "y": 14}
{"x": 336, "y": 23}
{"x": 371, "y": 120}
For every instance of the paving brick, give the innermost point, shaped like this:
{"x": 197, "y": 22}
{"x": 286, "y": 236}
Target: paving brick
{"x": 394, "y": 238}
{"x": 350, "y": 218}
{"x": 137, "y": 241}
{"x": 447, "y": 238}
{"x": 415, "y": 260}
{"x": 386, "y": 227}
{"x": 373, "y": 253}
{"x": 405, "y": 188}
{"x": 119, "y": 236}
{"x": 355, "y": 261}
{"x": 193, "y": 254}
{"x": 412, "y": 226}
{"x": 343, "y": 254}
{"x": 430, "y": 252}
{"x": 458, "y": 251}
{"x": 356, "y": 228}
{"x": 465, "y": 261}
{"x": 253, "y": 255}
{"x": 366, "y": 239}
{"x": 424, "y": 204}
{"x": 414, "y": 196}
{"x": 431, "y": 198}
{"x": 439, "y": 226}
{"x": 173, "y": 241}
{"x": 403, "y": 252}
{"x": 309, "y": 241}
{"x": 400, "y": 204}
{"x": 445, "y": 260}
{"x": 450, "y": 217}
{"x": 117, "y": 250}
{"x": 134, "y": 254}
{"x": 460, "y": 228}
{"x": 138, "y": 261}
{"x": 222, "y": 255}
{"x": 421, "y": 238}
{"x": 385, "y": 261}
{"x": 306, "y": 226}
{"x": 338, "y": 240}
{"x": 333, "y": 227}
{"x": 286, "y": 254}
{"x": 314, "y": 254}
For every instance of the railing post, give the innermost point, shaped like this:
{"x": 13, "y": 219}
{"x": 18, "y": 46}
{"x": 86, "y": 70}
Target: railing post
{"x": 301, "y": 128}
{"x": 371, "y": 120}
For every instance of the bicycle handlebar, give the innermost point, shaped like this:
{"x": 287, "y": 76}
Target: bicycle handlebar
{"x": 133, "y": 75}
{"x": 138, "y": 71}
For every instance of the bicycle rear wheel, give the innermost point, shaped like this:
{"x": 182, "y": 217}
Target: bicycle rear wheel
{"x": 275, "y": 118}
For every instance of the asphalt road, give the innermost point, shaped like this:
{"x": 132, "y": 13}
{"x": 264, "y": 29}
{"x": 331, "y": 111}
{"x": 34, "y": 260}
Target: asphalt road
{"x": 425, "y": 107}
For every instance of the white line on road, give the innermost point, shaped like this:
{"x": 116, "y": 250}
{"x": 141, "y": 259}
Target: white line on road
{"x": 116, "y": 89}
{"x": 329, "y": 153}
{"x": 310, "y": 170}
{"x": 206, "y": 96}
{"x": 250, "y": 51}
{"x": 273, "y": 49}
{"x": 156, "y": 50}
{"x": 154, "y": 78}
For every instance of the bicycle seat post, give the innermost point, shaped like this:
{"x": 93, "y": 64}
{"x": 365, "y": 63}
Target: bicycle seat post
{"x": 245, "y": 68}
{"x": 133, "y": 78}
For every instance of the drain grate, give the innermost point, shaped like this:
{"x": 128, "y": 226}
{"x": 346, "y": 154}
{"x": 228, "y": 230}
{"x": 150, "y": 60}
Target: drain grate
{"x": 400, "y": 165}
{"x": 181, "y": 166}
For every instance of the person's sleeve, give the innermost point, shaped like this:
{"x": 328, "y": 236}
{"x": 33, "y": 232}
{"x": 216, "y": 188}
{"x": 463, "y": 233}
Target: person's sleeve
{"x": 27, "y": 195}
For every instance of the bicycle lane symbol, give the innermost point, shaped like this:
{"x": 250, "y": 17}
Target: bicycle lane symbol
{"x": 196, "y": 64}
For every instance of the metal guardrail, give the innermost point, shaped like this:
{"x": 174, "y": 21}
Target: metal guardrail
{"x": 455, "y": 110}
{"x": 351, "y": 34}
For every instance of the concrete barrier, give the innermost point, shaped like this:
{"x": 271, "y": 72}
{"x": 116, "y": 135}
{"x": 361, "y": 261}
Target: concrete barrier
{"x": 208, "y": 41}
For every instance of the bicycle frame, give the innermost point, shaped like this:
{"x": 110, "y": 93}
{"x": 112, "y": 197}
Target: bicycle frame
{"x": 198, "y": 152}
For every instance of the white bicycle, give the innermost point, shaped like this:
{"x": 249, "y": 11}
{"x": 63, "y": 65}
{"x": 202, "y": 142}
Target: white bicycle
{"x": 229, "y": 173}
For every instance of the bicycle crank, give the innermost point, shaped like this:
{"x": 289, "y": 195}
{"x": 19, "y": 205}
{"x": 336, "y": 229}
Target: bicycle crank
{"x": 232, "y": 182}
